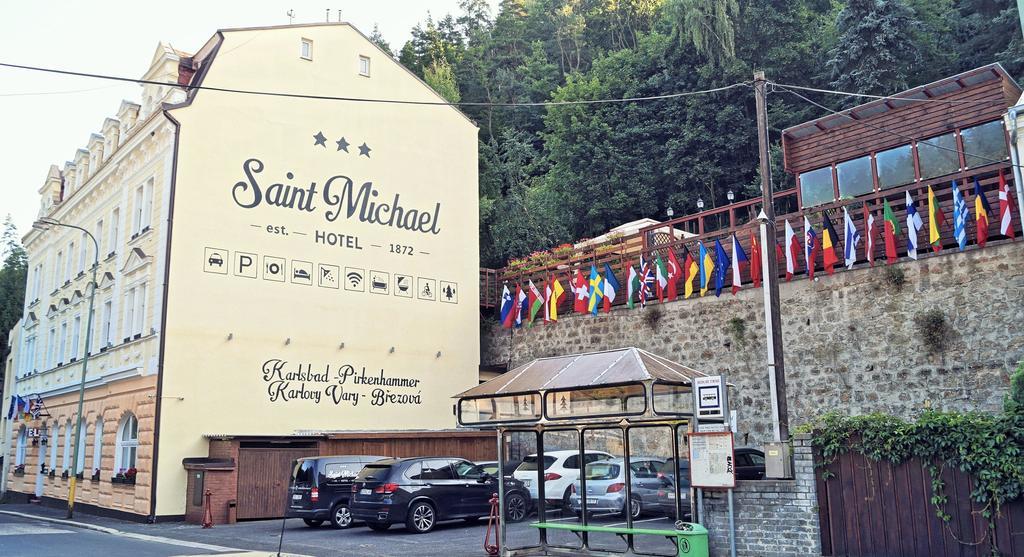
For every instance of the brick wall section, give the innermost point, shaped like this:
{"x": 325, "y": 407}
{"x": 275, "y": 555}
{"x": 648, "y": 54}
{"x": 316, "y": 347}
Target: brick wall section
{"x": 223, "y": 484}
{"x": 850, "y": 339}
{"x": 773, "y": 517}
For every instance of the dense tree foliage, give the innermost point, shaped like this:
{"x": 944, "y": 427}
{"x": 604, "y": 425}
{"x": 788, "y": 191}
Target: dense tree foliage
{"x": 13, "y": 273}
{"x": 554, "y": 174}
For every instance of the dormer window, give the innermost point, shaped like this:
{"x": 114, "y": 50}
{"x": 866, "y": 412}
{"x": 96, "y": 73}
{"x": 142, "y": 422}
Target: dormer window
{"x": 364, "y": 66}
{"x": 306, "y": 50}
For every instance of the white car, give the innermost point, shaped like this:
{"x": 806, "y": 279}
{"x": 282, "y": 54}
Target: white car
{"x": 561, "y": 469}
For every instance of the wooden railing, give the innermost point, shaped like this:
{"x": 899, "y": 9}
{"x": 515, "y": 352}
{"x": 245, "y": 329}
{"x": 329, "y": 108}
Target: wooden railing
{"x": 740, "y": 219}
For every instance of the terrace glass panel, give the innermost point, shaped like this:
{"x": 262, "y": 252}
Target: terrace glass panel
{"x": 938, "y": 156}
{"x": 984, "y": 144}
{"x": 816, "y": 187}
{"x": 895, "y": 167}
{"x": 673, "y": 399}
{"x": 500, "y": 409}
{"x": 619, "y": 400}
{"x": 855, "y": 177}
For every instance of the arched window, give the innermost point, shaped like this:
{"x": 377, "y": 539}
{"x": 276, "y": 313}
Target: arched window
{"x": 127, "y": 443}
{"x": 65, "y": 461}
{"x": 97, "y": 444}
{"x": 19, "y": 455}
{"x": 80, "y": 465}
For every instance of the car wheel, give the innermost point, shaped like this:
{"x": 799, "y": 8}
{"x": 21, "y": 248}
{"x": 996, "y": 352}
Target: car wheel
{"x": 341, "y": 516}
{"x": 312, "y": 523}
{"x": 566, "y": 503}
{"x": 422, "y": 518}
{"x": 379, "y": 526}
{"x": 515, "y": 507}
{"x": 635, "y": 508}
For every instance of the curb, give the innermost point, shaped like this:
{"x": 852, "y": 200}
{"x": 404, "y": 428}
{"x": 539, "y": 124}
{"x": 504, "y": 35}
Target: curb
{"x": 64, "y": 522}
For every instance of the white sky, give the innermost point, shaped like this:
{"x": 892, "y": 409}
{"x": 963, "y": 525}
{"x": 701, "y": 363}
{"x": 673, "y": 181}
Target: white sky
{"x": 119, "y": 38}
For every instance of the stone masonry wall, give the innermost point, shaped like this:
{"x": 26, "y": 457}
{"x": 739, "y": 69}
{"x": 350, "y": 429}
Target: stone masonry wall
{"x": 772, "y": 517}
{"x": 851, "y": 343}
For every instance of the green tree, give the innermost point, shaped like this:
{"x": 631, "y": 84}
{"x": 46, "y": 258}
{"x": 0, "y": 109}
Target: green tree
{"x": 875, "y": 52}
{"x": 13, "y": 275}
{"x": 378, "y": 39}
{"x": 707, "y": 24}
{"x": 439, "y": 76}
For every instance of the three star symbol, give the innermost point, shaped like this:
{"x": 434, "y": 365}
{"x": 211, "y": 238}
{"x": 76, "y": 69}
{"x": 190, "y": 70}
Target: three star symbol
{"x": 321, "y": 140}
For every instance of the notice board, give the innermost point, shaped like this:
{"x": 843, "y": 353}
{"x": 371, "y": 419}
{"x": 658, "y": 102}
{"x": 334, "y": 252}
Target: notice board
{"x": 712, "y": 462}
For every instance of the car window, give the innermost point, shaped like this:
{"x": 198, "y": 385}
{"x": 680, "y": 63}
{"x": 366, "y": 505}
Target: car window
{"x": 530, "y": 463}
{"x": 374, "y": 473}
{"x": 467, "y": 470}
{"x": 490, "y": 469}
{"x": 588, "y": 458}
{"x": 304, "y": 472}
{"x": 435, "y": 470}
{"x": 572, "y": 462}
{"x": 643, "y": 469}
{"x": 756, "y": 459}
{"x": 602, "y": 471}
{"x": 341, "y": 471}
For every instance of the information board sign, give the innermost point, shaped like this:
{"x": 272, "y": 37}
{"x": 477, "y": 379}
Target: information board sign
{"x": 712, "y": 461}
{"x": 709, "y": 393}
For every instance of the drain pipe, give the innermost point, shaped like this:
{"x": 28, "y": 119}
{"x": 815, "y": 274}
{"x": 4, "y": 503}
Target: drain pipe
{"x": 1015, "y": 158}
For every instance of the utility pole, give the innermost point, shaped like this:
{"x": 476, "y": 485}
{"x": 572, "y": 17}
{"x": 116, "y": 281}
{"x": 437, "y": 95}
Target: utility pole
{"x": 773, "y": 319}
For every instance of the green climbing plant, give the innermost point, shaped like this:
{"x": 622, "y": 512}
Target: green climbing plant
{"x": 988, "y": 447}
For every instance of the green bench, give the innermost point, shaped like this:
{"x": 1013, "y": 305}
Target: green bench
{"x": 691, "y": 542}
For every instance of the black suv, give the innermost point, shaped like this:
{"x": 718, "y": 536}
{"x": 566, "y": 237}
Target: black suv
{"x": 321, "y": 487}
{"x": 423, "y": 491}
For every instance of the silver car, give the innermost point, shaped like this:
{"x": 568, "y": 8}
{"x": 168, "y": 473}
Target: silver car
{"x": 606, "y": 486}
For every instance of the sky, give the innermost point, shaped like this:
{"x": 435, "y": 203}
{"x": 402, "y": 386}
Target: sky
{"x": 44, "y": 118}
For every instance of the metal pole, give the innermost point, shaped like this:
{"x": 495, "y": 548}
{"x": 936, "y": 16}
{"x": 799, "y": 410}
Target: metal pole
{"x": 773, "y": 318}
{"x": 500, "y": 526}
{"x": 85, "y": 362}
{"x": 732, "y": 528}
{"x": 1015, "y": 158}
{"x": 700, "y": 506}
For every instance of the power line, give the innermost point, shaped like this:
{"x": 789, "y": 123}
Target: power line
{"x": 885, "y": 130}
{"x": 886, "y": 97}
{"x": 379, "y": 101}
{"x": 41, "y": 93}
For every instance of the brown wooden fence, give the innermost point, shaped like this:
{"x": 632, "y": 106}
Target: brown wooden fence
{"x": 869, "y": 508}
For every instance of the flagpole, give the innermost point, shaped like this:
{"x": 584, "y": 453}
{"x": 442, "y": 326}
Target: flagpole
{"x": 773, "y": 320}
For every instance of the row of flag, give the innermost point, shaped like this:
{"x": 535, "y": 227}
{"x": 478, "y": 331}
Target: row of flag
{"x": 659, "y": 278}
{"x": 23, "y": 408}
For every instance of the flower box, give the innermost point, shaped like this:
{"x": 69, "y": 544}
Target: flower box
{"x": 80, "y": 476}
{"x": 64, "y": 475}
{"x": 19, "y": 470}
{"x": 95, "y": 476}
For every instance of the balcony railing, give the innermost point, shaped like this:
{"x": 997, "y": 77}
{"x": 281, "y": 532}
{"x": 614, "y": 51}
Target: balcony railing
{"x": 740, "y": 219}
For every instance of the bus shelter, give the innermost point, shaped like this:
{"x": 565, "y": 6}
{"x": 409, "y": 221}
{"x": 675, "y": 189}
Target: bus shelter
{"x": 599, "y": 442}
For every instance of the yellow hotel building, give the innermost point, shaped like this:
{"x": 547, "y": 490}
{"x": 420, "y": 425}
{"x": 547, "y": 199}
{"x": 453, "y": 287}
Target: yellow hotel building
{"x": 278, "y": 277}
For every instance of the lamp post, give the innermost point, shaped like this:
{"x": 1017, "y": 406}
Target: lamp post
{"x": 730, "y": 196}
{"x": 700, "y": 204}
{"x": 671, "y": 227}
{"x": 43, "y": 224}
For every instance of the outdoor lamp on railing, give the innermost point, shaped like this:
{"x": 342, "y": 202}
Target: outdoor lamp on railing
{"x": 44, "y": 224}
{"x": 669, "y": 212}
{"x": 730, "y": 196}
{"x": 700, "y": 204}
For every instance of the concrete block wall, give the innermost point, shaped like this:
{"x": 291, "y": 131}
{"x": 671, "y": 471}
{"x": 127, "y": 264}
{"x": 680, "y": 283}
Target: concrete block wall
{"x": 772, "y": 517}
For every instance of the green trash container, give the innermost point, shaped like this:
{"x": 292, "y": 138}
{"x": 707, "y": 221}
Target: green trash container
{"x": 691, "y": 540}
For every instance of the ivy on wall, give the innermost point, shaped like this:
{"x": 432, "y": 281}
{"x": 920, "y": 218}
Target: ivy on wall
{"x": 988, "y": 447}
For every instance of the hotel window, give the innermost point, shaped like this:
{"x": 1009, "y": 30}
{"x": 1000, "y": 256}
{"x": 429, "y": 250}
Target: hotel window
{"x": 76, "y": 332}
{"x": 984, "y": 144}
{"x": 80, "y": 465}
{"x": 816, "y": 187}
{"x": 63, "y": 346}
{"x": 129, "y": 314}
{"x": 19, "y": 454}
{"x": 147, "y": 204}
{"x": 66, "y": 459}
{"x": 54, "y": 438}
{"x": 938, "y": 156}
{"x": 97, "y": 444}
{"x": 99, "y": 238}
{"x": 855, "y": 177}
{"x": 306, "y": 50}
{"x": 58, "y": 270}
{"x": 895, "y": 167}
{"x": 50, "y": 348}
{"x": 90, "y": 325}
{"x": 69, "y": 266}
{"x": 140, "y": 310}
{"x": 106, "y": 334}
{"x": 115, "y": 221}
{"x": 364, "y": 66}
{"x": 137, "y": 219}
{"x": 127, "y": 443}
{"x": 83, "y": 252}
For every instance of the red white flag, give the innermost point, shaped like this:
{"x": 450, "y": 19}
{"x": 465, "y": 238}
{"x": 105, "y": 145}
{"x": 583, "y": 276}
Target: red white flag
{"x": 1005, "y": 209}
{"x": 581, "y": 292}
{"x": 870, "y": 233}
{"x": 792, "y": 250}
{"x": 755, "y": 260}
{"x": 674, "y": 272}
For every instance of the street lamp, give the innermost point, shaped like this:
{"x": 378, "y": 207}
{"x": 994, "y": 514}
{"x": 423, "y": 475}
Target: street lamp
{"x": 43, "y": 224}
{"x": 671, "y": 228}
{"x": 730, "y": 196}
{"x": 700, "y": 204}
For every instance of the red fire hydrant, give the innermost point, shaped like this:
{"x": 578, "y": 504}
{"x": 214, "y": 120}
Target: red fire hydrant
{"x": 208, "y": 512}
{"x": 493, "y": 522}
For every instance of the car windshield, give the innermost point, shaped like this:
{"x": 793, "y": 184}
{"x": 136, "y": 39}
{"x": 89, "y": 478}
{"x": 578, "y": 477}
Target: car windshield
{"x": 304, "y": 473}
{"x": 602, "y": 471}
{"x": 530, "y": 463}
{"x": 374, "y": 473}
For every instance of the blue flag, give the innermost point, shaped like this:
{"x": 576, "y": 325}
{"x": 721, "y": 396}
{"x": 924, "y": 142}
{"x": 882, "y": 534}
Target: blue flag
{"x": 505, "y": 308}
{"x": 596, "y": 290}
{"x": 611, "y": 287}
{"x": 721, "y": 264}
{"x": 959, "y": 217}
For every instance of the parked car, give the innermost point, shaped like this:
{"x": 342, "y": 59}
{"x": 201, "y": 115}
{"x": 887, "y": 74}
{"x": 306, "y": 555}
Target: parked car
{"x": 749, "y": 464}
{"x": 666, "y": 497}
{"x": 606, "y": 486}
{"x": 321, "y": 487}
{"x": 422, "y": 491}
{"x": 561, "y": 469}
{"x": 491, "y": 467}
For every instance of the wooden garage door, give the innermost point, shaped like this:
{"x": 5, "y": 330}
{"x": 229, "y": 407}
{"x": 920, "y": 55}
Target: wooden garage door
{"x": 263, "y": 476}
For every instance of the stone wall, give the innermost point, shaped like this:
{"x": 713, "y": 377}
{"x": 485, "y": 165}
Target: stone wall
{"x": 851, "y": 342}
{"x": 772, "y": 517}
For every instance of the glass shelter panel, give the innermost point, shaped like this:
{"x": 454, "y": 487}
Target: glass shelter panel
{"x": 516, "y": 447}
{"x": 509, "y": 408}
{"x": 561, "y": 461}
{"x": 816, "y": 187}
{"x": 621, "y": 400}
{"x": 673, "y": 398}
{"x": 938, "y": 156}
{"x": 984, "y": 144}
{"x": 855, "y": 177}
{"x": 895, "y": 166}
{"x": 605, "y": 479}
{"x": 650, "y": 448}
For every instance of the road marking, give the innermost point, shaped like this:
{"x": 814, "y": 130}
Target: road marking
{"x": 29, "y": 530}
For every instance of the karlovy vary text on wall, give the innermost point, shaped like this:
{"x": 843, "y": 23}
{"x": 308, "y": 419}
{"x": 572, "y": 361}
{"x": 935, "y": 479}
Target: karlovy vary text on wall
{"x": 339, "y": 384}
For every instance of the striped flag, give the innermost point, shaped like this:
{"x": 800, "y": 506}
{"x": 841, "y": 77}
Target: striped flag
{"x": 829, "y": 239}
{"x": 914, "y": 225}
{"x": 690, "y": 269}
{"x": 850, "y": 240}
{"x": 811, "y": 247}
{"x": 662, "y": 275}
{"x": 892, "y": 229}
{"x": 596, "y": 290}
{"x": 505, "y": 314}
{"x": 959, "y": 217}
{"x": 632, "y": 286}
{"x": 706, "y": 266}
{"x": 646, "y": 281}
{"x": 792, "y": 249}
{"x": 936, "y": 218}
{"x": 870, "y": 233}
{"x": 981, "y": 211}
{"x": 536, "y": 301}
{"x": 611, "y": 285}
{"x": 1005, "y": 217}
{"x": 737, "y": 257}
